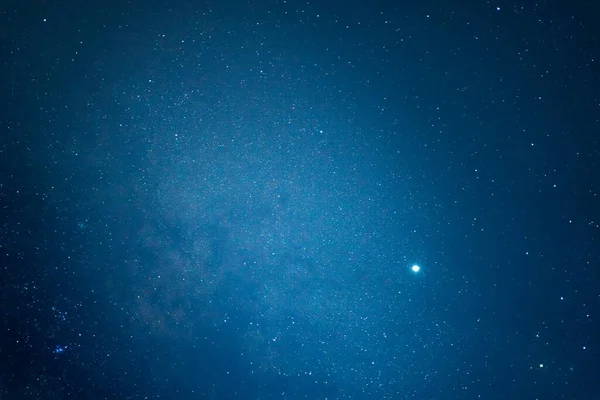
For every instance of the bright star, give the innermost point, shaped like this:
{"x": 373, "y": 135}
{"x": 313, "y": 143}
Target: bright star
{"x": 60, "y": 349}
{"x": 415, "y": 268}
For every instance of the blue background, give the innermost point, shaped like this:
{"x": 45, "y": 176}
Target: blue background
{"x": 219, "y": 200}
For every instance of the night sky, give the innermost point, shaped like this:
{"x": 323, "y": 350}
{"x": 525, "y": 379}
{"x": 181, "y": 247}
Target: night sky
{"x": 299, "y": 199}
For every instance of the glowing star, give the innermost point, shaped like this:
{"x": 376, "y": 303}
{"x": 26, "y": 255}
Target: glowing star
{"x": 60, "y": 349}
{"x": 415, "y": 268}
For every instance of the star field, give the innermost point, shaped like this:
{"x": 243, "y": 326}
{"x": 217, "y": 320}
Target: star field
{"x": 299, "y": 200}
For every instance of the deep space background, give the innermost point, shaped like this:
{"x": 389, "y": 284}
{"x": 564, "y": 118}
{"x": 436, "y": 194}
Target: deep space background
{"x": 225, "y": 199}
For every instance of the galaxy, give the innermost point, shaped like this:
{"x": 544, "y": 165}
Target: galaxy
{"x": 299, "y": 200}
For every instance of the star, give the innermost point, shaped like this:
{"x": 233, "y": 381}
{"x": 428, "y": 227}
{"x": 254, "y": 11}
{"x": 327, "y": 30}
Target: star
{"x": 60, "y": 349}
{"x": 415, "y": 268}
